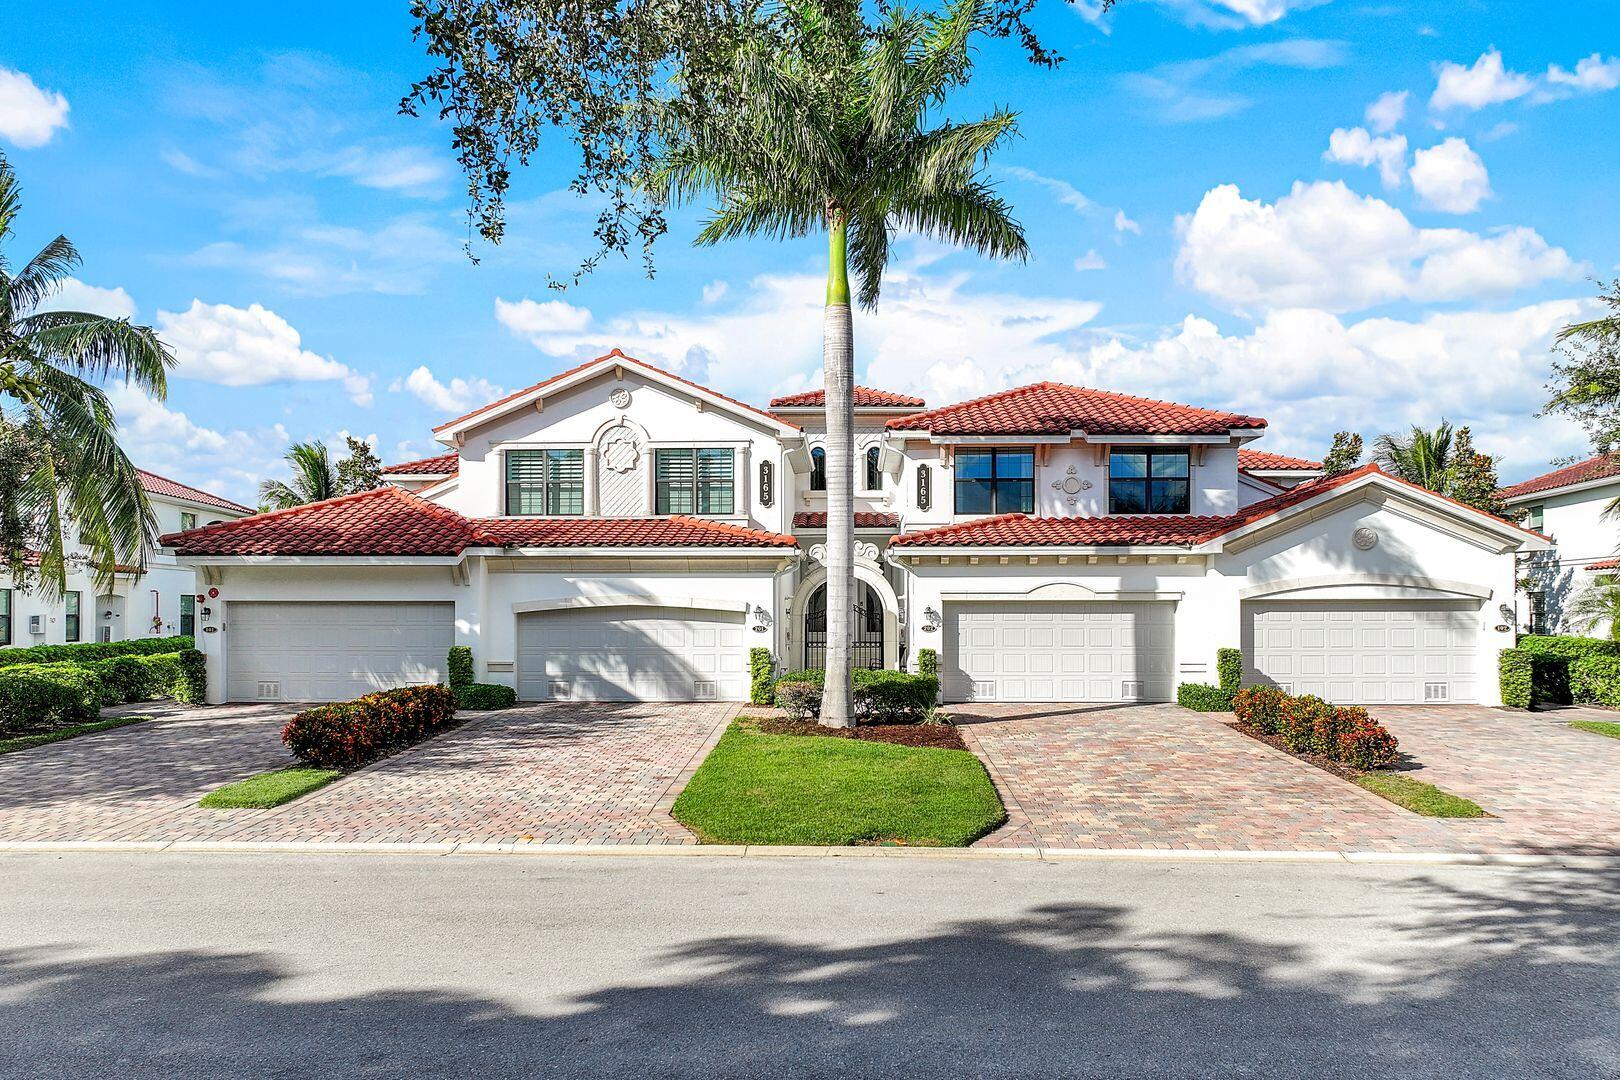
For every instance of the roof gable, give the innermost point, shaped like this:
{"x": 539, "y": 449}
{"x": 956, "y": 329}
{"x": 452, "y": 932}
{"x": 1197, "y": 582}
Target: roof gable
{"x": 162, "y": 486}
{"x": 865, "y": 398}
{"x": 439, "y": 465}
{"x": 1056, "y": 409}
{"x": 1592, "y": 470}
{"x": 1251, "y": 460}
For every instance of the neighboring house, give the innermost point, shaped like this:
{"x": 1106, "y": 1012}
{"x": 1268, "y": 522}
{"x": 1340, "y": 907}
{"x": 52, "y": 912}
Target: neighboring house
{"x": 158, "y": 603}
{"x": 1567, "y": 505}
{"x": 618, "y": 532}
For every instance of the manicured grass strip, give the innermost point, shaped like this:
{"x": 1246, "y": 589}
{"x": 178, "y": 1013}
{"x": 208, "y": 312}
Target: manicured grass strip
{"x": 24, "y": 742}
{"x": 269, "y": 789}
{"x": 1418, "y": 797}
{"x": 793, "y": 789}
{"x": 1597, "y": 727}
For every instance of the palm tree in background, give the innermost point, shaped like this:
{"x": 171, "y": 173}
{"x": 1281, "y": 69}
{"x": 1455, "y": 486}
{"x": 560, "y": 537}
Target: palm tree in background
{"x": 1420, "y": 457}
{"x": 838, "y": 132}
{"x": 313, "y": 478}
{"x": 67, "y": 466}
{"x": 1596, "y": 603}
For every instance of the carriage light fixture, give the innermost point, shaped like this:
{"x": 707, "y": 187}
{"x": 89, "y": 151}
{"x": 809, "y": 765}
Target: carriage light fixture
{"x": 762, "y": 619}
{"x": 931, "y": 620}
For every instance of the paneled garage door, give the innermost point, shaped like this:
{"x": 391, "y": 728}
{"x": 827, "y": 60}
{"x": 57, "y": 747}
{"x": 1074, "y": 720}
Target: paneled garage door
{"x": 1059, "y": 652}
{"x": 1365, "y": 653}
{"x": 331, "y": 652}
{"x": 631, "y": 654}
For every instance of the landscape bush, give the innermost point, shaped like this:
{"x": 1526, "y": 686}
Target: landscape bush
{"x": 1260, "y": 707}
{"x": 1308, "y": 725}
{"x": 480, "y": 696}
{"x": 881, "y": 697}
{"x": 39, "y": 697}
{"x": 1367, "y": 744}
{"x": 459, "y": 666}
{"x": 1596, "y": 679}
{"x": 1229, "y": 669}
{"x": 761, "y": 672}
{"x": 88, "y": 651}
{"x": 1300, "y": 719}
{"x": 191, "y": 681}
{"x": 928, "y": 662}
{"x": 1552, "y": 659}
{"x": 800, "y": 698}
{"x": 350, "y": 734}
{"x": 1202, "y": 697}
{"x": 1515, "y": 673}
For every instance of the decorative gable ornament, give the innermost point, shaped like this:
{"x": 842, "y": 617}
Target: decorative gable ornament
{"x": 864, "y": 552}
{"x": 1364, "y": 539}
{"x": 1071, "y": 485}
{"x": 620, "y": 397}
{"x": 620, "y": 449}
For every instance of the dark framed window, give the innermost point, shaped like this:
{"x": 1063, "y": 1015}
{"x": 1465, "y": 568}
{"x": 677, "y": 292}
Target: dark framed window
{"x": 1536, "y": 518}
{"x": 995, "y": 481}
{"x": 818, "y": 469}
{"x": 71, "y": 616}
{"x": 545, "y": 482}
{"x": 874, "y": 476}
{"x": 1149, "y": 482}
{"x": 694, "y": 481}
{"x": 1538, "y": 611}
{"x": 188, "y": 614}
{"x": 188, "y": 520}
{"x": 5, "y": 616}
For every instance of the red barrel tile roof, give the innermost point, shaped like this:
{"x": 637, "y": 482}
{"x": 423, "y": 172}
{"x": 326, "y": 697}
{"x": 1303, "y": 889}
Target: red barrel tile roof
{"x": 1597, "y": 468}
{"x": 162, "y": 485}
{"x": 675, "y": 531}
{"x": 432, "y": 466}
{"x": 1055, "y": 409}
{"x": 1265, "y": 461}
{"x": 817, "y": 519}
{"x": 865, "y": 398}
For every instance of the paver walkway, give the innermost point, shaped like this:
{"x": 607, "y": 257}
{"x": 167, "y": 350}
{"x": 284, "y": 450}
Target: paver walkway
{"x": 557, "y": 774}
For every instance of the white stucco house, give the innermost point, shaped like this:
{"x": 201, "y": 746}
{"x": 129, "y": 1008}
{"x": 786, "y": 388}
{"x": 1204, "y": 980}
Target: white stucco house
{"x": 1567, "y": 505}
{"x": 617, "y": 532}
{"x": 159, "y": 603}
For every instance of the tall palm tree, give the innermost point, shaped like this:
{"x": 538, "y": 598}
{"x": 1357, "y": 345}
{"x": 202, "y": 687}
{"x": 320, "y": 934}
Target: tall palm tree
{"x": 1597, "y": 602}
{"x": 72, "y": 470}
{"x": 839, "y": 132}
{"x": 1422, "y": 457}
{"x": 313, "y": 478}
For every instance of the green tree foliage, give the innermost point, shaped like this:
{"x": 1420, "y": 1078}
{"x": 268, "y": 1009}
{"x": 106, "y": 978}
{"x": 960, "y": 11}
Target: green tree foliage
{"x": 1343, "y": 455}
{"x": 313, "y": 479}
{"x": 361, "y": 470}
{"x": 1446, "y": 462}
{"x": 1586, "y": 375}
{"x": 1597, "y": 603}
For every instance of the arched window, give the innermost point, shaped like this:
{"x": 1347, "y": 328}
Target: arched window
{"x": 818, "y": 469}
{"x": 874, "y": 478}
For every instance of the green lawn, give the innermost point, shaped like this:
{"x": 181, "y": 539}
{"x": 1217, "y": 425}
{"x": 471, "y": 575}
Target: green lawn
{"x": 1597, "y": 727}
{"x": 269, "y": 789}
{"x": 24, "y": 742}
{"x": 1418, "y": 797}
{"x": 794, "y": 789}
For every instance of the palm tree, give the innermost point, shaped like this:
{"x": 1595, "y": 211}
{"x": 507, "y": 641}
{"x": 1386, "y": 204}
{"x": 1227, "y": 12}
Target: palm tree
{"x": 1422, "y": 457}
{"x": 313, "y": 478}
{"x": 837, "y": 132}
{"x": 72, "y": 469}
{"x": 1597, "y": 330}
{"x": 1597, "y": 602}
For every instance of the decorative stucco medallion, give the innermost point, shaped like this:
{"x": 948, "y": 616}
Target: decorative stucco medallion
{"x": 620, "y": 450}
{"x": 1364, "y": 538}
{"x": 620, "y": 398}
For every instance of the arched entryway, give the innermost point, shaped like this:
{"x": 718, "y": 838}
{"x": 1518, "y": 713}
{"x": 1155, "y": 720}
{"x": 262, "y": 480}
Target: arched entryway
{"x": 868, "y": 646}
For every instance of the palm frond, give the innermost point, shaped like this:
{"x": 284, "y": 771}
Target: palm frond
{"x": 974, "y": 217}
{"x": 43, "y": 275}
{"x": 100, "y": 347}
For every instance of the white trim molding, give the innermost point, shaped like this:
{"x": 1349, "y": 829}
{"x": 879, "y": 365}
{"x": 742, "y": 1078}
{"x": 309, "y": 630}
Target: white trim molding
{"x": 1403, "y": 585}
{"x": 629, "y": 599}
{"x": 1057, "y": 592}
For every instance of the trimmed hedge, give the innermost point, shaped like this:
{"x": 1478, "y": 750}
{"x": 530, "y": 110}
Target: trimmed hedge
{"x": 350, "y": 734}
{"x": 1202, "y": 697}
{"x": 459, "y": 666}
{"x": 482, "y": 696}
{"x": 125, "y": 679}
{"x": 191, "y": 685}
{"x": 928, "y": 662}
{"x": 1515, "y": 674}
{"x": 1596, "y": 679}
{"x": 1309, "y": 725}
{"x": 1229, "y": 669}
{"x": 1554, "y": 654}
{"x": 761, "y": 671}
{"x": 36, "y": 697}
{"x": 1261, "y": 707}
{"x": 94, "y": 650}
{"x": 881, "y": 697}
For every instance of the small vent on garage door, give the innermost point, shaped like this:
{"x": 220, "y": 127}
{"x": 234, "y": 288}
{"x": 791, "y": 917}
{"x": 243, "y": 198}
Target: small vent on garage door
{"x": 705, "y": 690}
{"x": 1132, "y": 688}
{"x": 269, "y": 691}
{"x": 984, "y": 691}
{"x": 558, "y": 689}
{"x": 1436, "y": 691}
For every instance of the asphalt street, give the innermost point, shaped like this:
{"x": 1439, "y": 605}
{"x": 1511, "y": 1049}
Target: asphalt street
{"x": 169, "y": 965}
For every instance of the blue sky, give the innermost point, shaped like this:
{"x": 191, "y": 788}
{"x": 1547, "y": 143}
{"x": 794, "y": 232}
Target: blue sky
{"x": 1329, "y": 213}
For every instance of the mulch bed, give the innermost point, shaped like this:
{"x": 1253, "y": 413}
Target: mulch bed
{"x": 937, "y": 736}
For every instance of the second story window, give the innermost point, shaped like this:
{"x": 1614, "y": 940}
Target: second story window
{"x": 1537, "y": 519}
{"x": 188, "y": 520}
{"x": 70, "y": 616}
{"x": 874, "y": 475}
{"x": 545, "y": 482}
{"x": 995, "y": 482}
{"x": 1149, "y": 482}
{"x": 694, "y": 481}
{"x": 818, "y": 469}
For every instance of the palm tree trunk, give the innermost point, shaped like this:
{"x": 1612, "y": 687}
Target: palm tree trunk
{"x": 838, "y": 362}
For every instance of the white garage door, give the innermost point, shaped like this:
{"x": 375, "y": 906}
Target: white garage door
{"x": 1059, "y": 652}
{"x": 631, "y": 654}
{"x": 1365, "y": 653}
{"x": 332, "y": 652}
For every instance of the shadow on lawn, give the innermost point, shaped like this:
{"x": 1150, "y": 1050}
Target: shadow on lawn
{"x": 1480, "y": 980}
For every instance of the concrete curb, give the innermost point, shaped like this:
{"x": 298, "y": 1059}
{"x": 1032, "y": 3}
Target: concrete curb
{"x": 737, "y": 851}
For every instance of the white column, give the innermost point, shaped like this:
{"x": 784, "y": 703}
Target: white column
{"x": 593, "y": 498}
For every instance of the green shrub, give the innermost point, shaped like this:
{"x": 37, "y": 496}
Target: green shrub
{"x": 799, "y": 698}
{"x": 35, "y": 697}
{"x": 350, "y": 734}
{"x": 1261, "y": 707}
{"x": 480, "y": 696}
{"x": 761, "y": 670}
{"x": 1202, "y": 697}
{"x": 894, "y": 697}
{"x": 1333, "y": 723}
{"x": 1596, "y": 679}
{"x": 1366, "y": 745}
{"x": 191, "y": 679}
{"x": 123, "y": 678}
{"x": 928, "y": 662}
{"x": 87, "y": 651}
{"x": 1552, "y": 656}
{"x": 1515, "y": 673}
{"x": 162, "y": 675}
{"x": 459, "y": 665}
{"x": 1229, "y": 669}
{"x": 1300, "y": 718}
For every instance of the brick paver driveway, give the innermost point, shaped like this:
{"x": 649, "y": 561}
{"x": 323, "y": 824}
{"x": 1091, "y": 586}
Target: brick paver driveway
{"x": 1547, "y": 786}
{"x": 557, "y": 774}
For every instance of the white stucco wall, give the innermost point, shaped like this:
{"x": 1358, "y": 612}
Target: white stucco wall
{"x": 1581, "y": 536}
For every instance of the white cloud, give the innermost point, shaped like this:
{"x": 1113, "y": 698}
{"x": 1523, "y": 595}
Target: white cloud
{"x": 456, "y": 396}
{"x": 180, "y": 161}
{"x": 1324, "y": 246}
{"x": 1591, "y": 75}
{"x": 228, "y": 462}
{"x": 1385, "y": 114}
{"x": 1451, "y": 177}
{"x": 75, "y": 295}
{"x": 714, "y": 292}
{"x": 408, "y": 169}
{"x": 1355, "y": 146}
{"x": 1188, "y": 91}
{"x": 249, "y": 346}
{"x": 1090, "y": 261}
{"x": 1486, "y": 82}
{"x": 545, "y": 323}
{"x": 1066, "y": 193}
{"x": 1123, "y": 224}
{"x": 29, "y": 116}
{"x": 398, "y": 258}
{"x": 1236, "y": 14}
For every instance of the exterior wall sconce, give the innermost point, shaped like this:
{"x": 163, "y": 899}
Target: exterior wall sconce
{"x": 931, "y": 620}
{"x": 762, "y": 620}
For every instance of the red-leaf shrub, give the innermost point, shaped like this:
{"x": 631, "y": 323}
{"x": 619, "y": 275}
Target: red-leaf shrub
{"x": 350, "y": 734}
{"x": 1260, "y": 707}
{"x": 1300, "y": 719}
{"x": 1366, "y": 745}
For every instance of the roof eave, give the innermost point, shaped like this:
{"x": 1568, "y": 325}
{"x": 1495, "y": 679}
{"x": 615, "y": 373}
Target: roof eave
{"x": 1561, "y": 489}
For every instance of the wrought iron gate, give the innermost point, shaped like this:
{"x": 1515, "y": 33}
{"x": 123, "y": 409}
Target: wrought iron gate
{"x": 867, "y": 651}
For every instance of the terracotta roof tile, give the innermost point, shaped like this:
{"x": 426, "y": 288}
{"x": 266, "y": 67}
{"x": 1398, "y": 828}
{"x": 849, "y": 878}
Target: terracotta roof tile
{"x": 1265, "y": 461}
{"x": 817, "y": 519}
{"x": 676, "y": 531}
{"x": 1605, "y": 564}
{"x": 1055, "y": 409}
{"x": 162, "y": 485}
{"x": 443, "y": 464}
{"x": 865, "y": 398}
{"x": 1596, "y": 468}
